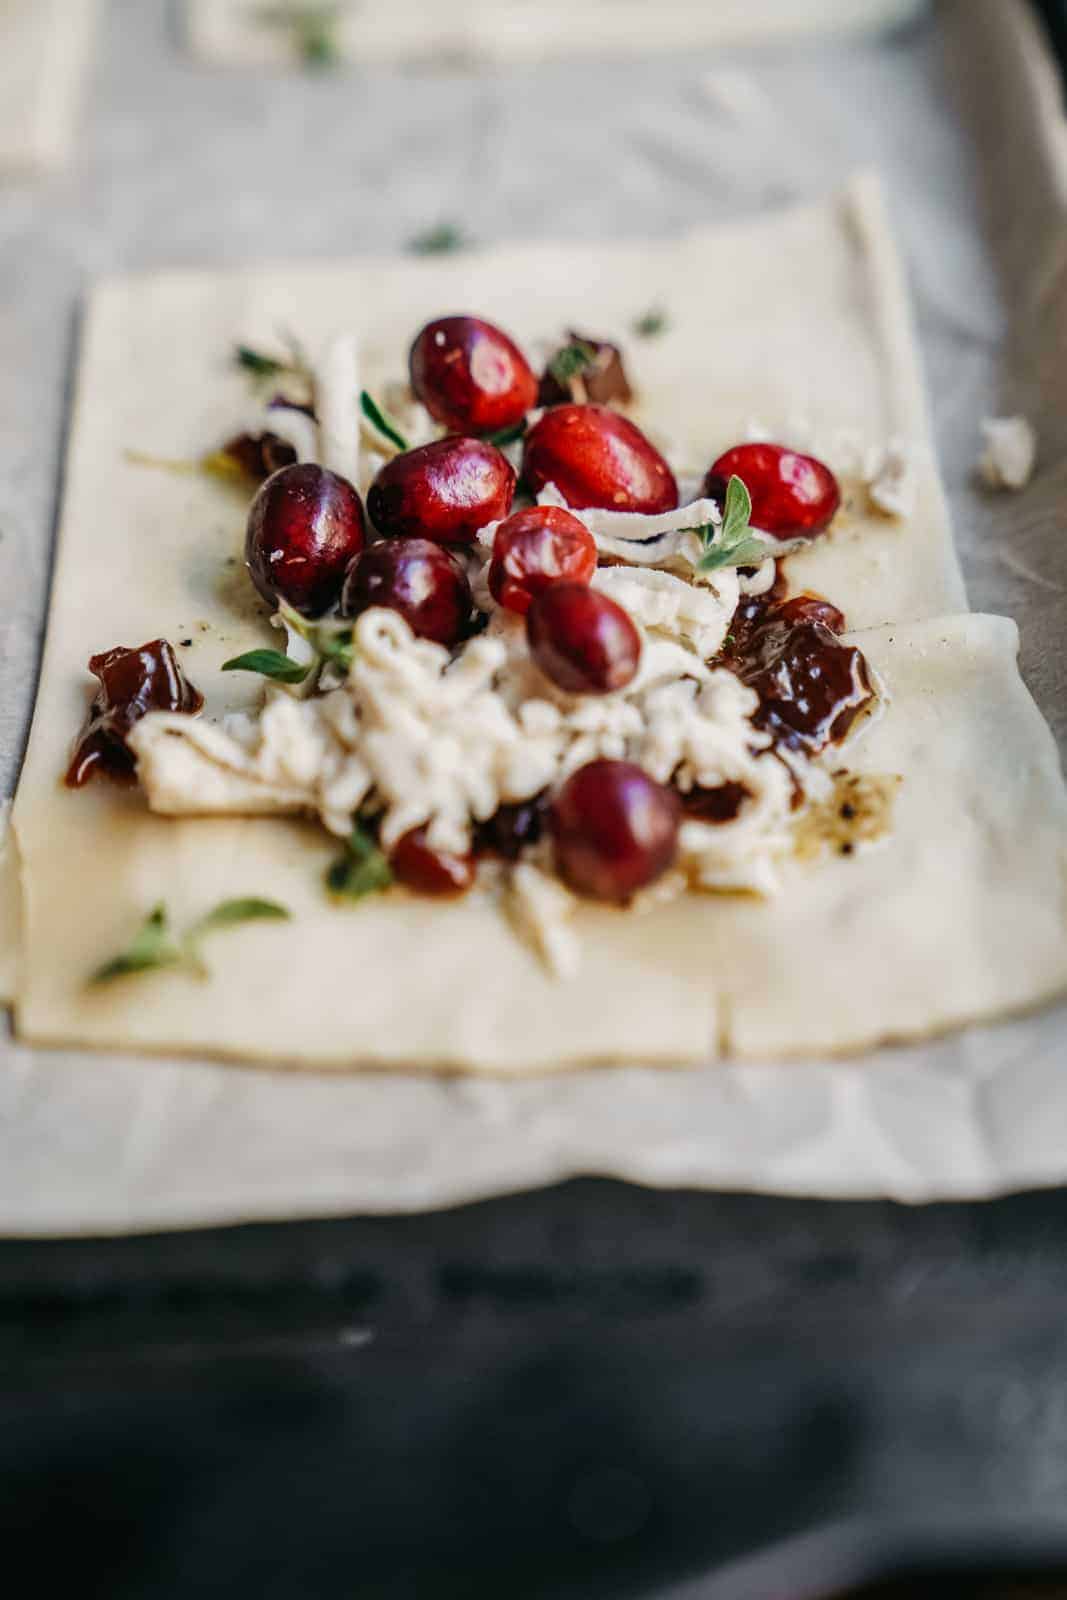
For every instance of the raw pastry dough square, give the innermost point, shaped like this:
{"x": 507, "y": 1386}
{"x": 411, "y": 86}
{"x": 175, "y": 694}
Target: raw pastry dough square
{"x": 402, "y": 983}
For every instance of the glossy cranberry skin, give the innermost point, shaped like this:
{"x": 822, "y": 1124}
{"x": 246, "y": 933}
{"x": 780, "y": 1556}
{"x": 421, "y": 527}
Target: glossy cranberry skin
{"x": 615, "y": 830}
{"x": 304, "y": 527}
{"x": 444, "y": 491}
{"x": 441, "y": 874}
{"x": 535, "y": 548}
{"x": 470, "y": 376}
{"x": 793, "y": 496}
{"x": 595, "y": 457}
{"x": 583, "y": 640}
{"x": 417, "y": 578}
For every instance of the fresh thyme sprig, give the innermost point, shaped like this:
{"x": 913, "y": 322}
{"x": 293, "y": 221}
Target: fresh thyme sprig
{"x": 442, "y": 239}
{"x": 363, "y": 868}
{"x": 382, "y": 421}
{"x": 154, "y": 948}
{"x": 732, "y": 543}
{"x": 312, "y": 27}
{"x": 570, "y": 362}
{"x": 331, "y": 642}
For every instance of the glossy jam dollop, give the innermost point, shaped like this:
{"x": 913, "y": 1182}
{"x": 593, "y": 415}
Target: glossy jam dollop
{"x": 471, "y": 376}
{"x": 419, "y": 579}
{"x": 811, "y": 685}
{"x": 583, "y": 640}
{"x": 304, "y": 527}
{"x": 132, "y": 683}
{"x": 793, "y": 496}
{"x": 441, "y": 874}
{"x": 615, "y": 830}
{"x": 595, "y": 457}
{"x": 444, "y": 491}
{"x": 535, "y": 548}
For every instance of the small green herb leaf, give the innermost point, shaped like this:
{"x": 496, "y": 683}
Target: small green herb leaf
{"x": 313, "y": 28}
{"x": 153, "y": 948}
{"x": 362, "y": 870}
{"x": 231, "y": 913}
{"x": 259, "y": 365}
{"x": 736, "y": 511}
{"x": 574, "y": 359}
{"x": 269, "y": 664}
{"x": 734, "y": 543}
{"x": 440, "y": 240}
{"x": 507, "y": 436}
{"x": 654, "y": 322}
{"x": 380, "y": 420}
{"x": 150, "y": 949}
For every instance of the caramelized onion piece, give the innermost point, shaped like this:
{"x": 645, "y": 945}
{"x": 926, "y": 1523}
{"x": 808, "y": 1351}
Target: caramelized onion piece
{"x": 132, "y": 683}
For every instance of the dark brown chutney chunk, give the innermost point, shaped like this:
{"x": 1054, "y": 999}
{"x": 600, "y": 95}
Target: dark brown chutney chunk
{"x": 811, "y": 685}
{"x": 585, "y": 370}
{"x": 721, "y": 804}
{"x": 511, "y": 829}
{"x": 132, "y": 683}
{"x": 258, "y": 455}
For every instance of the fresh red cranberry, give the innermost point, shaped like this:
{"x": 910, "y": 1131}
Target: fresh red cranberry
{"x": 444, "y": 491}
{"x": 595, "y": 457}
{"x": 583, "y": 640}
{"x": 793, "y": 496}
{"x": 417, "y": 578}
{"x": 471, "y": 376}
{"x": 535, "y": 548}
{"x": 810, "y": 608}
{"x": 439, "y": 873}
{"x": 615, "y": 830}
{"x": 304, "y": 527}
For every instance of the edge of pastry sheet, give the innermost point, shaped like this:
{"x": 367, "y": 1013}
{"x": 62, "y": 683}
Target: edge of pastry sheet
{"x": 532, "y": 30}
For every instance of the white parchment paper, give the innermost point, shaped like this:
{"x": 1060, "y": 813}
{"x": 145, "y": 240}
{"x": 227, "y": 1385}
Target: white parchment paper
{"x": 188, "y": 166}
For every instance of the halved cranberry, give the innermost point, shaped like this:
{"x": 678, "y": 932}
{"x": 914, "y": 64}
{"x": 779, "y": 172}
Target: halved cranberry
{"x": 535, "y": 548}
{"x": 595, "y": 457}
{"x": 440, "y": 873}
{"x": 793, "y": 496}
{"x": 471, "y": 376}
{"x": 615, "y": 830}
{"x": 417, "y": 578}
{"x": 304, "y": 527}
{"x": 583, "y": 640}
{"x": 444, "y": 491}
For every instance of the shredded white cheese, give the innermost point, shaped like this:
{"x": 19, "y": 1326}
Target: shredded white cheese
{"x": 892, "y": 479}
{"x": 1007, "y": 462}
{"x": 337, "y": 406}
{"x": 542, "y": 908}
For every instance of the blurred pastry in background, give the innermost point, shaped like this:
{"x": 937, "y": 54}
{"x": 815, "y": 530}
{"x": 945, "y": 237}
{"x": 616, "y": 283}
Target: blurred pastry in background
{"x": 324, "y": 33}
{"x": 44, "y": 55}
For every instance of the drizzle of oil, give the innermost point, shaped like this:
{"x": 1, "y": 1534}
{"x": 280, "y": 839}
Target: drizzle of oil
{"x": 858, "y": 813}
